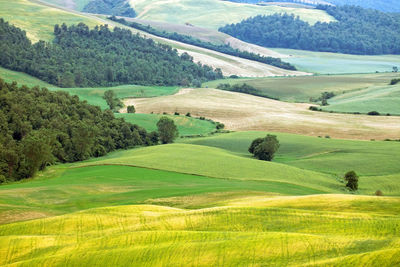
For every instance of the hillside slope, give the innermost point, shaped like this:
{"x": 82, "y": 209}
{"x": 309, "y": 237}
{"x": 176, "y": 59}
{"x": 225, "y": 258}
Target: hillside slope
{"x": 214, "y": 13}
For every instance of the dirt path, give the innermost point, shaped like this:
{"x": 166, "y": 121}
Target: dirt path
{"x": 242, "y": 112}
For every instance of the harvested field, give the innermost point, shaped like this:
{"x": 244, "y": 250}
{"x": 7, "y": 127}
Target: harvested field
{"x": 245, "y": 112}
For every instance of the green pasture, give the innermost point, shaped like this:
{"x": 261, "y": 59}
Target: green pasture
{"x": 38, "y": 20}
{"x": 187, "y": 126}
{"x": 335, "y": 63}
{"x": 95, "y": 95}
{"x": 302, "y": 88}
{"x": 22, "y": 78}
{"x": 375, "y": 161}
{"x": 384, "y": 99}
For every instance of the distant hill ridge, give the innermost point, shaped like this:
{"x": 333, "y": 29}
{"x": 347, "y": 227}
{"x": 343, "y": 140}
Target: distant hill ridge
{"x": 382, "y": 5}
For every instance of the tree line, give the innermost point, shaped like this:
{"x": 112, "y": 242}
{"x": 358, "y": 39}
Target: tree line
{"x": 226, "y": 48}
{"x": 39, "y": 127}
{"x": 80, "y": 57}
{"x": 356, "y": 31}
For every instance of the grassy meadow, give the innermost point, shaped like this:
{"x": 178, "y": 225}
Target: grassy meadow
{"x": 384, "y": 99}
{"x": 214, "y": 13}
{"x": 335, "y": 63}
{"x": 302, "y": 88}
{"x": 187, "y": 126}
{"x": 22, "y": 78}
{"x": 38, "y": 20}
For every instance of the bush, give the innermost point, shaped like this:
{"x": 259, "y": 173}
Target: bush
{"x": 131, "y": 109}
{"x": 394, "y": 81}
{"x": 373, "y": 113}
{"x": 188, "y": 114}
{"x": 264, "y": 148}
{"x": 220, "y": 126}
{"x": 352, "y": 180}
{"x": 314, "y": 108}
{"x": 378, "y": 193}
{"x": 176, "y": 113}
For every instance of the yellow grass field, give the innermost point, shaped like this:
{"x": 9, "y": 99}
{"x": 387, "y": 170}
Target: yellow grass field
{"x": 241, "y": 112}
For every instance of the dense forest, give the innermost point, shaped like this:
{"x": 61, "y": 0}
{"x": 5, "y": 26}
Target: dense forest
{"x": 39, "y": 127}
{"x": 79, "y": 57}
{"x": 110, "y": 7}
{"x": 226, "y": 49}
{"x": 357, "y": 31}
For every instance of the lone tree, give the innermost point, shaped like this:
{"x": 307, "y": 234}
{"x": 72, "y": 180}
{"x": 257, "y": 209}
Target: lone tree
{"x": 131, "y": 109}
{"x": 352, "y": 180}
{"x": 167, "y": 130}
{"x": 264, "y": 148}
{"x": 112, "y": 101}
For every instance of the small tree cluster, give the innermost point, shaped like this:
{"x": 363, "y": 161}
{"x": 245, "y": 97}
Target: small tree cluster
{"x": 264, "y": 148}
{"x": 131, "y": 109}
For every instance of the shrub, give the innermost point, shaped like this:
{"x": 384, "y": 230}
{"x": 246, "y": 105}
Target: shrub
{"x": 220, "y": 126}
{"x": 188, "y": 114}
{"x": 314, "y": 108}
{"x": 373, "y": 113}
{"x": 131, "y": 109}
{"x": 264, "y": 148}
{"x": 394, "y": 81}
{"x": 378, "y": 193}
{"x": 176, "y": 113}
{"x": 352, "y": 180}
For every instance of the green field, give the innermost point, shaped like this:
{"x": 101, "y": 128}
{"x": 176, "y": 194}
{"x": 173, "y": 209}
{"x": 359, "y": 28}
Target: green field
{"x": 38, "y": 20}
{"x": 375, "y": 161}
{"x": 187, "y": 126}
{"x": 94, "y": 96}
{"x": 335, "y": 63}
{"x": 384, "y": 99}
{"x": 22, "y": 78}
{"x": 302, "y": 88}
{"x": 209, "y": 203}
{"x": 215, "y": 13}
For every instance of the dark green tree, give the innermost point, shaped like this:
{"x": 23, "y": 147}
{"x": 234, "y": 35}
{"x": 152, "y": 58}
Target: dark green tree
{"x": 265, "y": 148}
{"x": 167, "y": 130}
{"x": 131, "y": 109}
{"x": 112, "y": 100}
{"x": 352, "y": 180}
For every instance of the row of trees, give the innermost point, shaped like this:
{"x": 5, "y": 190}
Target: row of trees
{"x": 243, "y": 88}
{"x": 226, "y": 48}
{"x": 357, "y": 31}
{"x": 39, "y": 127}
{"x": 80, "y": 57}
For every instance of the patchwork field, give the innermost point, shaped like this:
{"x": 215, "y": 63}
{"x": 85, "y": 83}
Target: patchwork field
{"x": 334, "y": 63}
{"x": 245, "y": 112}
{"x": 302, "y": 88}
{"x": 214, "y": 13}
{"x": 187, "y": 126}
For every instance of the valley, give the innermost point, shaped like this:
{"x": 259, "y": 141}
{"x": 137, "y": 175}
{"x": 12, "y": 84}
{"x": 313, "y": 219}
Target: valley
{"x": 122, "y": 148}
